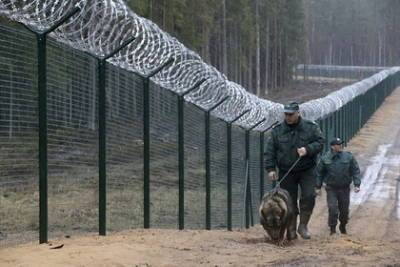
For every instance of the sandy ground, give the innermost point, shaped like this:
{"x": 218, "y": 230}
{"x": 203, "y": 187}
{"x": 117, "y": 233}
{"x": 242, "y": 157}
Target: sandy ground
{"x": 373, "y": 240}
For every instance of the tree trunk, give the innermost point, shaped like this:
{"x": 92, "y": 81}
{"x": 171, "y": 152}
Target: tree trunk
{"x": 224, "y": 44}
{"x": 164, "y": 15}
{"x": 280, "y": 60}
{"x": 258, "y": 82}
{"x": 276, "y": 57}
{"x": 240, "y": 51}
{"x": 267, "y": 68}
{"x": 250, "y": 72}
{"x": 150, "y": 11}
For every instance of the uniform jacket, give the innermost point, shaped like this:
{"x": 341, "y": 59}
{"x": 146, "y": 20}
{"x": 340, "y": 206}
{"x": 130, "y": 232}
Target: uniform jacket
{"x": 284, "y": 140}
{"x": 338, "y": 170}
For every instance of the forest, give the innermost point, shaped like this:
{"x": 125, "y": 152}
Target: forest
{"x": 257, "y": 43}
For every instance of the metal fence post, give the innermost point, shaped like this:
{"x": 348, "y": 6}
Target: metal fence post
{"x": 353, "y": 119}
{"x": 345, "y": 124}
{"x": 229, "y": 175}
{"x": 336, "y": 124}
{"x": 357, "y": 118}
{"x": 208, "y": 160}
{"x": 181, "y": 154}
{"x": 262, "y": 177}
{"x": 102, "y": 145}
{"x": 43, "y": 161}
{"x": 326, "y": 131}
{"x": 229, "y": 167}
{"x": 360, "y": 122}
{"x": 146, "y": 154}
{"x": 146, "y": 143}
{"x": 101, "y": 70}
{"x": 350, "y": 115}
{"x": 339, "y": 122}
{"x": 342, "y": 122}
{"x": 248, "y": 187}
{"x": 41, "y": 38}
{"x": 181, "y": 163}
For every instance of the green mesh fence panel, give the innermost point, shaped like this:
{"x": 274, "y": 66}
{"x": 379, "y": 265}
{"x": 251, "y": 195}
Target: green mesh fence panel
{"x": 124, "y": 133}
{"x": 330, "y": 127}
{"x": 267, "y": 182}
{"x": 19, "y": 197}
{"x": 254, "y": 168}
{"x": 73, "y": 146}
{"x": 218, "y": 169}
{"x": 238, "y": 176}
{"x": 195, "y": 172}
{"x": 324, "y": 129}
{"x": 163, "y": 158}
{"x": 72, "y": 141}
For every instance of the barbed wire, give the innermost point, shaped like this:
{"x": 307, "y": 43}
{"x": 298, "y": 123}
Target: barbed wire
{"x": 101, "y": 26}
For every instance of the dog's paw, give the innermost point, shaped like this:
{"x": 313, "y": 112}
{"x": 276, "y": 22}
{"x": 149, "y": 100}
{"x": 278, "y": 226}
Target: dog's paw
{"x": 281, "y": 243}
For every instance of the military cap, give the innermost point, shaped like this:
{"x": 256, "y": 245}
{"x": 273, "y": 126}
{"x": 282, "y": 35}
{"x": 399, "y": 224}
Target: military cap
{"x": 336, "y": 141}
{"x": 291, "y": 107}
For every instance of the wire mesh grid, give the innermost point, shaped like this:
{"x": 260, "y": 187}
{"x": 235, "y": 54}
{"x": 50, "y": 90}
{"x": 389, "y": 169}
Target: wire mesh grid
{"x": 218, "y": 173}
{"x": 195, "y": 190}
{"x": 124, "y": 133}
{"x": 238, "y": 176}
{"x": 163, "y": 158}
{"x": 73, "y": 146}
{"x": 72, "y": 141}
{"x": 268, "y": 184}
{"x": 254, "y": 172}
{"x": 19, "y": 197}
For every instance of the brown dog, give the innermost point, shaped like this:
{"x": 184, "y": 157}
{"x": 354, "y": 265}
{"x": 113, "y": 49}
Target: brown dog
{"x": 277, "y": 215}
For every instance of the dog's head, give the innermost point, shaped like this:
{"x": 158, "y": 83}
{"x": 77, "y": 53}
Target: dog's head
{"x": 273, "y": 216}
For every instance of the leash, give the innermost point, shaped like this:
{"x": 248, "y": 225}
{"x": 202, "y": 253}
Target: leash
{"x": 277, "y": 185}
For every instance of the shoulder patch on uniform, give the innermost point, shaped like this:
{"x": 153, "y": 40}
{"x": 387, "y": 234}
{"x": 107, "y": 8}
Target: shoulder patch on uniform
{"x": 310, "y": 122}
{"x": 277, "y": 125}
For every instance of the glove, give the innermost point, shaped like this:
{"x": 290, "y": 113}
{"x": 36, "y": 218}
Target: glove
{"x": 356, "y": 189}
{"x": 302, "y": 151}
{"x": 272, "y": 176}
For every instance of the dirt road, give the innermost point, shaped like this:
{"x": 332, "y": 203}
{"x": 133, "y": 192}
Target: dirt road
{"x": 373, "y": 240}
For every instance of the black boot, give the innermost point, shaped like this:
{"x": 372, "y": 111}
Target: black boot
{"x": 303, "y": 230}
{"x": 342, "y": 228}
{"x": 333, "y": 230}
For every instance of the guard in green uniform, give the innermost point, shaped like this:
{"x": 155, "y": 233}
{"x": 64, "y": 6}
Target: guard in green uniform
{"x": 338, "y": 169}
{"x": 293, "y": 138}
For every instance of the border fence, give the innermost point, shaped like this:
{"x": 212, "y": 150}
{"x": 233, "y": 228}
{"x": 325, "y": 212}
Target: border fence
{"x": 87, "y": 146}
{"x": 336, "y": 72}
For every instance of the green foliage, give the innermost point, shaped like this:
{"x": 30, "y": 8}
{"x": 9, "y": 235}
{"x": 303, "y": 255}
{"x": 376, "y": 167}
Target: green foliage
{"x": 353, "y": 32}
{"x": 199, "y": 25}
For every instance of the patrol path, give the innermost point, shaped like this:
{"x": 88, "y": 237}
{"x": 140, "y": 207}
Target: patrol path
{"x": 376, "y": 210}
{"x": 373, "y": 240}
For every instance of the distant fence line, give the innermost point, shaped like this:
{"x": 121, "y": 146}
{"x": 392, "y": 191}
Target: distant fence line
{"x": 306, "y": 71}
